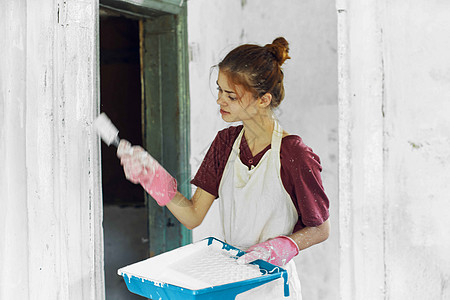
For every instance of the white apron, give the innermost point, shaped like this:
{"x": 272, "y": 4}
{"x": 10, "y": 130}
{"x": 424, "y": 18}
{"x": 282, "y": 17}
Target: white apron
{"x": 255, "y": 207}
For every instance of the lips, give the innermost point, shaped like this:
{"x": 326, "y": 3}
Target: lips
{"x": 223, "y": 112}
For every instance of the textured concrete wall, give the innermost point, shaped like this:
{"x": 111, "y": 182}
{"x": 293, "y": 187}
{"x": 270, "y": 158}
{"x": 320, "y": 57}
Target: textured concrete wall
{"x": 309, "y": 109}
{"x": 417, "y": 158}
{"x": 394, "y": 149}
{"x": 50, "y": 225}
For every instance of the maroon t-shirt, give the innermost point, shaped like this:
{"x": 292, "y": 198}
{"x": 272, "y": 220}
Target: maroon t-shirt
{"x": 300, "y": 173}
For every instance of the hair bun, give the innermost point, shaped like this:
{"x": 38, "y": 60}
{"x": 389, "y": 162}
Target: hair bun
{"x": 280, "y": 49}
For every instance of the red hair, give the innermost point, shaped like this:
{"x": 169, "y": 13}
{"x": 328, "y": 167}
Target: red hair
{"x": 258, "y": 69}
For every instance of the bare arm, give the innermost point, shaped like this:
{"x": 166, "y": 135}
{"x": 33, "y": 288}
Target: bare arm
{"x": 309, "y": 236}
{"x": 191, "y": 212}
{"x": 140, "y": 167}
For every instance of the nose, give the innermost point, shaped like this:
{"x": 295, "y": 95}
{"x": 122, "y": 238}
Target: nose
{"x": 220, "y": 99}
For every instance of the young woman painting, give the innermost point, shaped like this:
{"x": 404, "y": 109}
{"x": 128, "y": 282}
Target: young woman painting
{"x": 267, "y": 182}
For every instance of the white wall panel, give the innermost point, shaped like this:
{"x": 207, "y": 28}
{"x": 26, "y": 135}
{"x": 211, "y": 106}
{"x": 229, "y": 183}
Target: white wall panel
{"x": 13, "y": 179}
{"x": 394, "y": 149}
{"x": 51, "y": 238}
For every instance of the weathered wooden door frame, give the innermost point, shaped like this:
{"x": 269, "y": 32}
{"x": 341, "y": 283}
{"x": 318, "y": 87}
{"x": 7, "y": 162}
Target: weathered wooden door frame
{"x": 166, "y": 117}
{"x": 165, "y": 105}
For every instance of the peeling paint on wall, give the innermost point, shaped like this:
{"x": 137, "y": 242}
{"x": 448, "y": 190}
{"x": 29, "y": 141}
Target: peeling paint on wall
{"x": 50, "y": 181}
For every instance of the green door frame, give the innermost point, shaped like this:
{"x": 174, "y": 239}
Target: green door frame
{"x": 165, "y": 105}
{"x": 166, "y": 118}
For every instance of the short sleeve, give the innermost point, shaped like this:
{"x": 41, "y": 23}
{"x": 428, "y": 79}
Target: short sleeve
{"x": 210, "y": 173}
{"x": 300, "y": 172}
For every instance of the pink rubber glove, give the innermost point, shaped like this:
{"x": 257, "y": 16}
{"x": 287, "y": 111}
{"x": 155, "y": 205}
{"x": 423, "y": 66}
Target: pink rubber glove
{"x": 140, "y": 167}
{"x": 278, "y": 251}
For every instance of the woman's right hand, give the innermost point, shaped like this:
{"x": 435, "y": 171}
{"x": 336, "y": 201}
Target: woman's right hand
{"x": 132, "y": 158}
{"x": 140, "y": 167}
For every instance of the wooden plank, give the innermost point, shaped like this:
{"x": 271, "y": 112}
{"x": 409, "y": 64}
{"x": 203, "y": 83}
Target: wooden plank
{"x": 62, "y": 176}
{"x": 184, "y": 185}
{"x": 165, "y": 119}
{"x": 14, "y": 239}
{"x": 361, "y": 157}
{"x": 152, "y": 138}
{"x": 144, "y": 8}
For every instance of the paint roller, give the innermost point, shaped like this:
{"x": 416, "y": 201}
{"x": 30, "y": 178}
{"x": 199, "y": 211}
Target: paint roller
{"x": 106, "y": 130}
{"x": 164, "y": 188}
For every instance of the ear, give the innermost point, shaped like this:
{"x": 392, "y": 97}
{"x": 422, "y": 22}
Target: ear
{"x": 265, "y": 100}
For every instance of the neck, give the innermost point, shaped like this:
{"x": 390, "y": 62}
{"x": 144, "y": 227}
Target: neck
{"x": 258, "y": 130}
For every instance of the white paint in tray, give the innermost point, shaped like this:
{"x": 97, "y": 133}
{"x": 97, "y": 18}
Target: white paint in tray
{"x": 196, "y": 266}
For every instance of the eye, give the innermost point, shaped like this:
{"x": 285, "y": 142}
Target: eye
{"x": 220, "y": 91}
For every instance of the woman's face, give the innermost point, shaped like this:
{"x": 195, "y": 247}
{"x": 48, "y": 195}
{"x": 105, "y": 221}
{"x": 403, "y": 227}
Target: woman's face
{"x": 236, "y": 104}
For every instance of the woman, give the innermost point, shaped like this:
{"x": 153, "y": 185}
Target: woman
{"x": 267, "y": 182}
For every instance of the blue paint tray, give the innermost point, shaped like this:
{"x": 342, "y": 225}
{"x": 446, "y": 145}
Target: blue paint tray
{"x": 189, "y": 273}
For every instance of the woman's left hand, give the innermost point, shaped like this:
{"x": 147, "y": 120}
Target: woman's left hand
{"x": 278, "y": 251}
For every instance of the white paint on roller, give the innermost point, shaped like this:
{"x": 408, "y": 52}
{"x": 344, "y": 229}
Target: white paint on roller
{"x": 106, "y": 129}
{"x": 195, "y": 266}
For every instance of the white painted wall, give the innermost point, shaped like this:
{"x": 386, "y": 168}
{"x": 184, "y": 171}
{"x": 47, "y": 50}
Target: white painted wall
{"x": 394, "y": 149}
{"x": 309, "y": 109}
{"x": 50, "y": 225}
{"x": 394, "y": 139}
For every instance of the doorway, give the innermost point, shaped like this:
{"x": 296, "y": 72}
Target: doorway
{"x": 144, "y": 91}
{"x": 124, "y": 209}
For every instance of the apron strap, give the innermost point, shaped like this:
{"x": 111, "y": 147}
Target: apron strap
{"x": 277, "y": 136}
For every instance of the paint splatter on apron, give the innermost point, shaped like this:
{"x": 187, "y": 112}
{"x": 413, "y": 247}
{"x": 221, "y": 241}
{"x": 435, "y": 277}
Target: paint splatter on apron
{"x": 255, "y": 207}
